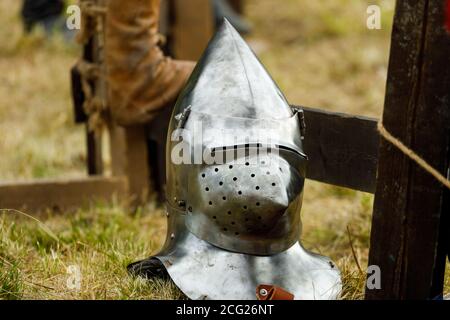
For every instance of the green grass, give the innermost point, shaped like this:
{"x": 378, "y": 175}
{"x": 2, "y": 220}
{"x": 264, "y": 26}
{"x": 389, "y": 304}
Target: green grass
{"x": 319, "y": 52}
{"x": 101, "y": 242}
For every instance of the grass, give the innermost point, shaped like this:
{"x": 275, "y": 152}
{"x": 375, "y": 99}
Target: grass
{"x": 319, "y": 52}
{"x": 36, "y": 263}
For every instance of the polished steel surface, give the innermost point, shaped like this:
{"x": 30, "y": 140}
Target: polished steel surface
{"x": 251, "y": 207}
{"x": 235, "y": 224}
{"x": 238, "y": 106}
{"x": 203, "y": 271}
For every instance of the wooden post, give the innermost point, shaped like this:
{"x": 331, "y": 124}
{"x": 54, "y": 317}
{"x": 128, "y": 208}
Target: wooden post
{"x": 94, "y": 153}
{"x": 193, "y": 26}
{"x": 237, "y": 5}
{"x": 92, "y": 53}
{"x": 129, "y": 158}
{"x": 411, "y": 206}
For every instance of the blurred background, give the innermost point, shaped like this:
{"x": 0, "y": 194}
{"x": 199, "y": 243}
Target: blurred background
{"x": 320, "y": 53}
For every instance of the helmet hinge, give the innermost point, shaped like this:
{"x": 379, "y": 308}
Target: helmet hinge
{"x": 301, "y": 117}
{"x": 182, "y": 117}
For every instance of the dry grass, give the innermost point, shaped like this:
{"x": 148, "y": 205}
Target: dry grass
{"x": 319, "y": 52}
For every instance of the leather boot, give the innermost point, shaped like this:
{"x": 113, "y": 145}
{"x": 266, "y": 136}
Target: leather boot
{"x": 141, "y": 80}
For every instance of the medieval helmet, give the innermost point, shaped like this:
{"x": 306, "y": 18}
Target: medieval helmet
{"x": 235, "y": 177}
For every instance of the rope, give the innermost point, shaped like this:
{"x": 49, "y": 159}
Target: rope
{"x": 92, "y": 13}
{"x": 412, "y": 155}
{"x": 93, "y": 105}
{"x": 92, "y": 9}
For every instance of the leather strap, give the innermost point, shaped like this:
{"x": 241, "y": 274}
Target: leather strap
{"x": 270, "y": 292}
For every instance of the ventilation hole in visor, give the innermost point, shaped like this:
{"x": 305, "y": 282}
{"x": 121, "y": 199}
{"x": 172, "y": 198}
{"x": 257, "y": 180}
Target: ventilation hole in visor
{"x": 233, "y": 223}
{"x": 257, "y": 188}
{"x": 274, "y": 184}
{"x": 247, "y": 163}
{"x": 224, "y": 198}
{"x": 236, "y": 233}
{"x": 231, "y": 167}
{"x": 214, "y": 217}
{"x": 206, "y": 189}
{"x": 234, "y": 179}
{"x": 239, "y": 192}
{"x": 252, "y": 175}
{"x": 245, "y": 207}
{"x": 257, "y": 204}
{"x": 225, "y": 229}
{"x": 229, "y": 212}
{"x": 268, "y": 172}
{"x": 203, "y": 175}
{"x": 220, "y": 183}
{"x": 216, "y": 170}
{"x": 210, "y": 203}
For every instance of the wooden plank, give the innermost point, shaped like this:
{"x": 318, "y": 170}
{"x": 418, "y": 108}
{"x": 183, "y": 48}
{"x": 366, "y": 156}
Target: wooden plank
{"x": 193, "y": 26}
{"x": 342, "y": 149}
{"x": 60, "y": 195}
{"x": 409, "y": 202}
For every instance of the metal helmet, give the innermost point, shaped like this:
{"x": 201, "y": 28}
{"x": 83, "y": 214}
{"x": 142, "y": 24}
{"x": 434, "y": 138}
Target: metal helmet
{"x": 235, "y": 177}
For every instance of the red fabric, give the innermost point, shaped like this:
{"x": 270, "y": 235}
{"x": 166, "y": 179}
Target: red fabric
{"x": 447, "y": 18}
